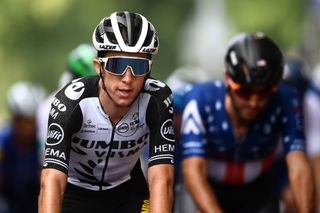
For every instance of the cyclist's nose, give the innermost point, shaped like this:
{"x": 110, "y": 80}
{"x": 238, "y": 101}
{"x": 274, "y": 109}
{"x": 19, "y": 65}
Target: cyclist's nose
{"x": 127, "y": 76}
{"x": 254, "y": 100}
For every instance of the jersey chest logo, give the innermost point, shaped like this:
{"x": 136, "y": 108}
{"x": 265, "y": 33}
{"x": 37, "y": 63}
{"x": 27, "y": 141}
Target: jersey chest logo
{"x": 130, "y": 126}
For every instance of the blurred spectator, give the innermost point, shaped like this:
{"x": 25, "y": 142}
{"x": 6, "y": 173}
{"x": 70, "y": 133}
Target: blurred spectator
{"x": 19, "y": 165}
{"x": 180, "y": 82}
{"x": 312, "y": 127}
{"x": 79, "y": 64}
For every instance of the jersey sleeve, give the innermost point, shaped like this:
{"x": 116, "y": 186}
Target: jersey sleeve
{"x": 160, "y": 121}
{"x": 193, "y": 131}
{"x": 64, "y": 118}
{"x": 293, "y": 138}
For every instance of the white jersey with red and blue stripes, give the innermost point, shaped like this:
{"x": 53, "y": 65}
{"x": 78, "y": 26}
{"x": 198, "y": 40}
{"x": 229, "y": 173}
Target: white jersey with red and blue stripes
{"x": 207, "y": 131}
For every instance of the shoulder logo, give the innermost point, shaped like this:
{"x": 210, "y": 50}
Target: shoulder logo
{"x": 153, "y": 85}
{"x": 167, "y": 130}
{"x": 191, "y": 119}
{"x": 55, "y": 134}
{"x": 59, "y": 105}
{"x": 74, "y": 90}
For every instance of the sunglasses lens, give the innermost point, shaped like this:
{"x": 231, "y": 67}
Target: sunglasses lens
{"x": 247, "y": 93}
{"x": 243, "y": 93}
{"x": 117, "y": 66}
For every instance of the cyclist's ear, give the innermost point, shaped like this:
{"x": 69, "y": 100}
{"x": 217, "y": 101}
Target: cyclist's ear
{"x": 97, "y": 65}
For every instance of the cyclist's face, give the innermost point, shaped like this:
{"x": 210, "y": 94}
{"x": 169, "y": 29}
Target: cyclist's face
{"x": 250, "y": 105}
{"x": 122, "y": 89}
{"x": 248, "y": 102}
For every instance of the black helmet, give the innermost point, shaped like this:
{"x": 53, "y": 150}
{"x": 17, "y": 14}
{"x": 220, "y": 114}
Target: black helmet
{"x": 254, "y": 60}
{"x": 125, "y": 32}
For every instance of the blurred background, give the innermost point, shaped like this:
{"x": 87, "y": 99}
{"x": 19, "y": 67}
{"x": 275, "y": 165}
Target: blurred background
{"x": 36, "y": 36}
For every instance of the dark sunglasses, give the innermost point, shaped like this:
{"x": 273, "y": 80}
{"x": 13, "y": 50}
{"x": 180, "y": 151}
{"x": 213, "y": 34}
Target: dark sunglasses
{"x": 118, "y": 65}
{"x": 246, "y": 93}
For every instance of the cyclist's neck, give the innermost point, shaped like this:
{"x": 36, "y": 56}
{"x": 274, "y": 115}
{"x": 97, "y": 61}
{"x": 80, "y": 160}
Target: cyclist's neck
{"x": 111, "y": 109}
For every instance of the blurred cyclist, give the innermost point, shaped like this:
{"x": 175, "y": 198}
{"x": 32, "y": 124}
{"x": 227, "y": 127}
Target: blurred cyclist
{"x": 19, "y": 164}
{"x": 180, "y": 82}
{"x": 230, "y": 133}
{"x": 96, "y": 138}
{"x": 311, "y": 107}
{"x": 295, "y": 74}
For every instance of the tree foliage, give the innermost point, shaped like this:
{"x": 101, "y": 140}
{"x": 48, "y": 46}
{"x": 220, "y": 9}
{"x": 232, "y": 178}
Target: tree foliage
{"x": 36, "y": 36}
{"x": 282, "y": 20}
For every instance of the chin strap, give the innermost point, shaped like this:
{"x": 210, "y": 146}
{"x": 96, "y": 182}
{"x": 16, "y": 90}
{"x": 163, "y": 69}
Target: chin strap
{"x": 101, "y": 77}
{"x": 103, "y": 85}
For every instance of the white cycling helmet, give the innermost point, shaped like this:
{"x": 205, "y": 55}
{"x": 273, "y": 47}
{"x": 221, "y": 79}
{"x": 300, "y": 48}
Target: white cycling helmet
{"x": 126, "y": 32}
{"x": 24, "y": 98}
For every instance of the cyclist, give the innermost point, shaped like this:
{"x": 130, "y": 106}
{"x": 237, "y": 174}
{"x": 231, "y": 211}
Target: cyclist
{"x": 19, "y": 163}
{"x": 79, "y": 64}
{"x": 103, "y": 123}
{"x": 230, "y": 133}
{"x": 311, "y": 105}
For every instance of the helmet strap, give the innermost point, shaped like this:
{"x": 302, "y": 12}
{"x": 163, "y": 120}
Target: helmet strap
{"x": 103, "y": 84}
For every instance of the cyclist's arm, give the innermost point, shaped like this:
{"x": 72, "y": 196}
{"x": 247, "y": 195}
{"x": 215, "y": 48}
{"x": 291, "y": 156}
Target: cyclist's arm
{"x": 315, "y": 162}
{"x": 301, "y": 180}
{"x": 160, "y": 178}
{"x": 195, "y": 171}
{"x": 65, "y": 118}
{"x": 53, "y": 183}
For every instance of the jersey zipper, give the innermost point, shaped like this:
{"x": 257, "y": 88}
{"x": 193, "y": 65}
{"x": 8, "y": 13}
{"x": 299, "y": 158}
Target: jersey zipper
{"x": 238, "y": 147}
{"x": 237, "y": 155}
{"x": 107, "y": 157}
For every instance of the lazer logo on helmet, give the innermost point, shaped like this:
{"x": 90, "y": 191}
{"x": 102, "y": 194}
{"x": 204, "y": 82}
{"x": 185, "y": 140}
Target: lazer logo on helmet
{"x": 55, "y": 134}
{"x": 149, "y": 50}
{"x": 107, "y": 47}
